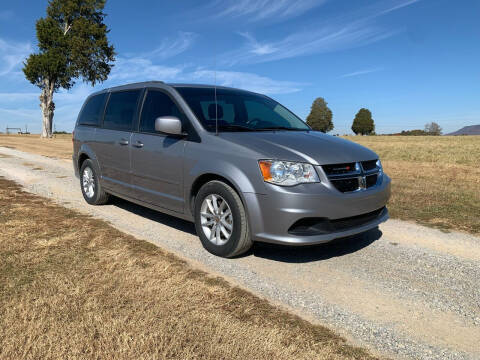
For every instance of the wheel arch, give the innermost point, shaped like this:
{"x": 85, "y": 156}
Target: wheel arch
{"x": 81, "y": 158}
{"x": 205, "y": 178}
{"x": 84, "y": 153}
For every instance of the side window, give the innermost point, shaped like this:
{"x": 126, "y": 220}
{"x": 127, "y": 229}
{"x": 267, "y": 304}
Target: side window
{"x": 121, "y": 110}
{"x": 157, "y": 104}
{"x": 93, "y": 110}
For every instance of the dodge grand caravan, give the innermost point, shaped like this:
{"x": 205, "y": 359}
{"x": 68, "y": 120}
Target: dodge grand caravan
{"x": 238, "y": 164}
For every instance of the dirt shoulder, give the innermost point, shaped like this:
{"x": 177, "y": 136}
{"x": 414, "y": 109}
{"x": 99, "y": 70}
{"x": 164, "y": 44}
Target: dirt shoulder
{"x": 59, "y": 147}
{"x": 73, "y": 286}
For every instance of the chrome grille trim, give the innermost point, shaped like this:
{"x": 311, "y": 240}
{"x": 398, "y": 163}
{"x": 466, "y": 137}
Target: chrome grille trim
{"x": 342, "y": 181}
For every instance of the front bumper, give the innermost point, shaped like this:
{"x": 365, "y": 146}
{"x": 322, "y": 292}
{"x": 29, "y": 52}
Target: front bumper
{"x": 271, "y": 215}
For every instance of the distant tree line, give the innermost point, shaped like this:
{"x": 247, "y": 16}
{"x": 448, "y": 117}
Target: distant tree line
{"x": 320, "y": 119}
{"x": 431, "y": 129}
{"x": 416, "y": 132}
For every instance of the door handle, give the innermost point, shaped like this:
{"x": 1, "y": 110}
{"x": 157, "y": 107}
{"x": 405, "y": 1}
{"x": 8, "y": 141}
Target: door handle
{"x": 138, "y": 144}
{"x": 123, "y": 142}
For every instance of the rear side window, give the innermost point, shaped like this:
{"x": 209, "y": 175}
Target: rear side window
{"x": 121, "y": 109}
{"x": 93, "y": 110}
{"x": 157, "y": 104}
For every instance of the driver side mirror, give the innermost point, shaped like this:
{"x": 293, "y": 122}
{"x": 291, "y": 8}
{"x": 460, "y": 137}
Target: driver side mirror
{"x": 168, "y": 125}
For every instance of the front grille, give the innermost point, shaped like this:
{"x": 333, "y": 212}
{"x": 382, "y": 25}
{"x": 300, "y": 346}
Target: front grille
{"x": 319, "y": 226}
{"x": 345, "y": 185}
{"x": 348, "y": 177}
{"x": 371, "y": 180}
{"x": 369, "y": 165}
{"x": 337, "y": 169}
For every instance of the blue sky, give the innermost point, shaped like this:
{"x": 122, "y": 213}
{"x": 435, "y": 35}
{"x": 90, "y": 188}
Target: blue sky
{"x": 409, "y": 61}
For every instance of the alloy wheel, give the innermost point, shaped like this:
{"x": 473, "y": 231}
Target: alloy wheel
{"x": 88, "y": 182}
{"x": 216, "y": 219}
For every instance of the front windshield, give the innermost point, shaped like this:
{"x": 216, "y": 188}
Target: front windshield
{"x": 238, "y": 110}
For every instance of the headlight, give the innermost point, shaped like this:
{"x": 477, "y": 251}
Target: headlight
{"x": 287, "y": 173}
{"x": 379, "y": 166}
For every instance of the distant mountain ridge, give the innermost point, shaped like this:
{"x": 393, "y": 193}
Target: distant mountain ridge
{"x": 467, "y": 130}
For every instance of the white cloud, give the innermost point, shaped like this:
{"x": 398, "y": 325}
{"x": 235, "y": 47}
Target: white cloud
{"x": 170, "y": 47}
{"x": 361, "y": 72}
{"x": 348, "y": 31}
{"x": 257, "y": 10}
{"x": 247, "y": 81}
{"x": 12, "y": 54}
{"x": 323, "y": 40}
{"x": 140, "y": 69}
{"x": 256, "y": 47}
{"x": 396, "y": 5}
{"x": 142, "y": 66}
{"x": 136, "y": 69}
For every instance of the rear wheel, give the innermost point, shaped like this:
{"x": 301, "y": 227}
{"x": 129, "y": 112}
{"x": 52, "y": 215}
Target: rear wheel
{"x": 90, "y": 185}
{"x": 221, "y": 220}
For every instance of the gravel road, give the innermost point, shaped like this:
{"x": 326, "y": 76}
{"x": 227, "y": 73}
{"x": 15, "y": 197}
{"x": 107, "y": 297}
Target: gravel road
{"x": 402, "y": 290}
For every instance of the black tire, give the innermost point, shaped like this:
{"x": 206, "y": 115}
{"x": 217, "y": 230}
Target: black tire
{"x": 99, "y": 196}
{"x": 240, "y": 240}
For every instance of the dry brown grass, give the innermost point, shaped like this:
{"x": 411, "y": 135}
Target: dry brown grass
{"x": 59, "y": 147}
{"x": 436, "y": 180}
{"x": 74, "y": 287}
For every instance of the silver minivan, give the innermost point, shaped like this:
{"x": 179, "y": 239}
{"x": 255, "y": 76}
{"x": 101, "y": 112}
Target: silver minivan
{"x": 238, "y": 164}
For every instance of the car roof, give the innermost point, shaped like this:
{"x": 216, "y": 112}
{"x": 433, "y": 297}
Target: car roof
{"x": 161, "y": 84}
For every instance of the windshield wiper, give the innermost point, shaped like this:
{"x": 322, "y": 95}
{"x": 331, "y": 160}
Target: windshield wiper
{"x": 235, "y": 127}
{"x": 281, "y": 128}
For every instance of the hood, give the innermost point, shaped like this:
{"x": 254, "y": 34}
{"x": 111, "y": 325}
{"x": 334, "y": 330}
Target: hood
{"x": 313, "y": 147}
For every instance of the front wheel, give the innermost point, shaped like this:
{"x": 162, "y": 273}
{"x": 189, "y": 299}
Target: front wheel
{"x": 90, "y": 185}
{"x": 221, "y": 221}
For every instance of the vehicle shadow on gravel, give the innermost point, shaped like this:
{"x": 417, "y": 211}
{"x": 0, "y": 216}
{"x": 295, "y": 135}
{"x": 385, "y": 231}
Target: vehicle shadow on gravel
{"x": 290, "y": 254}
{"x": 339, "y": 247}
{"x": 173, "y": 222}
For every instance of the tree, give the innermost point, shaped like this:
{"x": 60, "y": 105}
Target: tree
{"x": 320, "y": 117}
{"x": 363, "y": 122}
{"x": 433, "y": 129}
{"x": 72, "y": 44}
{"x": 416, "y": 132}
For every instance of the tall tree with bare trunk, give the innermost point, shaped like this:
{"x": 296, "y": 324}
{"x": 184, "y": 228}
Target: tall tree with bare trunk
{"x": 72, "y": 44}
